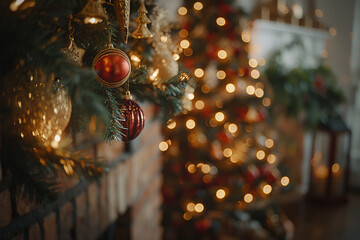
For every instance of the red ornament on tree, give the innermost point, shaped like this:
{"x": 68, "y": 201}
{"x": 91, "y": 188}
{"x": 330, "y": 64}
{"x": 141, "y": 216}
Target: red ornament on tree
{"x": 113, "y": 67}
{"x": 134, "y": 118}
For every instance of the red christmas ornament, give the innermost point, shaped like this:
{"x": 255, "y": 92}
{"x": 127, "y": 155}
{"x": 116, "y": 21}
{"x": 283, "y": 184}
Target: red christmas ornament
{"x": 271, "y": 174}
{"x": 223, "y": 137}
{"x": 134, "y": 118}
{"x": 113, "y": 67}
{"x": 251, "y": 174}
{"x": 241, "y": 112}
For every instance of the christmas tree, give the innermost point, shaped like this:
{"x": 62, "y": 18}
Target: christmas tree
{"x": 67, "y": 67}
{"x": 222, "y": 167}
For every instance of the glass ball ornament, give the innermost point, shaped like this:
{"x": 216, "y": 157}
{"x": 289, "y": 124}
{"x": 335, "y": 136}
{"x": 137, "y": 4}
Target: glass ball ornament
{"x": 113, "y": 67}
{"x": 134, "y": 118}
{"x": 42, "y": 110}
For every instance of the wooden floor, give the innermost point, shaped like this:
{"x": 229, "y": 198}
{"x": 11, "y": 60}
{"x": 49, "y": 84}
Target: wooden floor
{"x": 319, "y": 222}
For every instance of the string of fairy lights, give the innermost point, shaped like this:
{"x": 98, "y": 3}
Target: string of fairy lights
{"x": 238, "y": 152}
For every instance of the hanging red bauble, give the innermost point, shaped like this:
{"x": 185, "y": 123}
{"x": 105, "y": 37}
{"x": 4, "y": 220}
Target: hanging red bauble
{"x": 271, "y": 174}
{"x": 113, "y": 67}
{"x": 223, "y": 137}
{"x": 251, "y": 174}
{"x": 134, "y": 118}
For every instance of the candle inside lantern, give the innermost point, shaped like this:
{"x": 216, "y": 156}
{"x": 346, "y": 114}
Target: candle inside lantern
{"x": 321, "y": 174}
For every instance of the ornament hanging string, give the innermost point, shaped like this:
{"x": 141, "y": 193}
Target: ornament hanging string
{"x": 71, "y": 29}
{"x": 73, "y": 52}
{"x": 109, "y": 32}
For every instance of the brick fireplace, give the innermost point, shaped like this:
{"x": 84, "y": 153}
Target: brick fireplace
{"x": 126, "y": 201}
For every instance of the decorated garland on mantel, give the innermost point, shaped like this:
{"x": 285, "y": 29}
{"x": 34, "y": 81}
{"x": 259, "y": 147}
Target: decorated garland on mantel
{"x": 65, "y": 68}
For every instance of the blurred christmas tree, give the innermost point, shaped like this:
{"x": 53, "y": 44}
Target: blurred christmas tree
{"x": 221, "y": 159}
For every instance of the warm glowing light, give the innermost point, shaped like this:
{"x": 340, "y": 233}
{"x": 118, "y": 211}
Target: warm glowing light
{"x": 220, "y": 21}
{"x": 262, "y": 61}
{"x": 163, "y": 146}
{"x": 259, "y": 92}
{"x": 199, "y": 104}
{"x": 190, "y": 207}
{"x": 230, "y": 88}
{"x": 183, "y": 33}
{"x": 199, "y": 72}
{"x": 285, "y": 181}
{"x": 271, "y": 158}
{"x": 245, "y": 36}
{"x": 191, "y": 168}
{"x": 269, "y": 143}
{"x": 182, "y": 11}
{"x": 199, "y": 207}
{"x": 198, "y": 6}
{"x": 135, "y": 58}
{"x": 260, "y": 154}
{"x": 15, "y": 5}
{"x": 250, "y": 90}
{"x": 154, "y": 74}
{"x": 335, "y": 168}
{"x": 187, "y": 216}
{"x": 205, "y": 88}
{"x": 92, "y": 20}
{"x": 176, "y": 56}
{"x": 220, "y": 193}
{"x": 255, "y": 74}
{"x": 184, "y": 44}
{"x": 222, "y": 54}
{"x": 267, "y": 189}
{"x": 171, "y": 125}
{"x": 248, "y": 198}
{"x": 164, "y": 38}
{"x": 266, "y": 102}
{"x": 207, "y": 178}
{"x": 319, "y": 13}
{"x": 253, "y": 63}
{"x": 190, "y": 124}
{"x": 190, "y": 96}
{"x": 234, "y": 158}
{"x": 232, "y": 128}
{"x": 57, "y": 138}
{"x": 332, "y": 31}
{"x": 205, "y": 168}
{"x": 221, "y": 74}
{"x": 219, "y": 116}
{"x": 55, "y": 142}
{"x": 227, "y": 152}
{"x": 188, "y": 52}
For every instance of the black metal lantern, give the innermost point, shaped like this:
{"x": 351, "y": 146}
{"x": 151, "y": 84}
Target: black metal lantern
{"x": 330, "y": 162}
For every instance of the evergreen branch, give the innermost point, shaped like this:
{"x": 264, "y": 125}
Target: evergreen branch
{"x": 114, "y": 127}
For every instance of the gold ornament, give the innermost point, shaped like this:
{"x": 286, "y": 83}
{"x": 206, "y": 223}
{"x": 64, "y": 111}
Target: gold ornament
{"x": 122, "y": 12}
{"x": 142, "y": 30}
{"x": 93, "y": 12}
{"x": 41, "y": 110}
{"x": 73, "y": 52}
